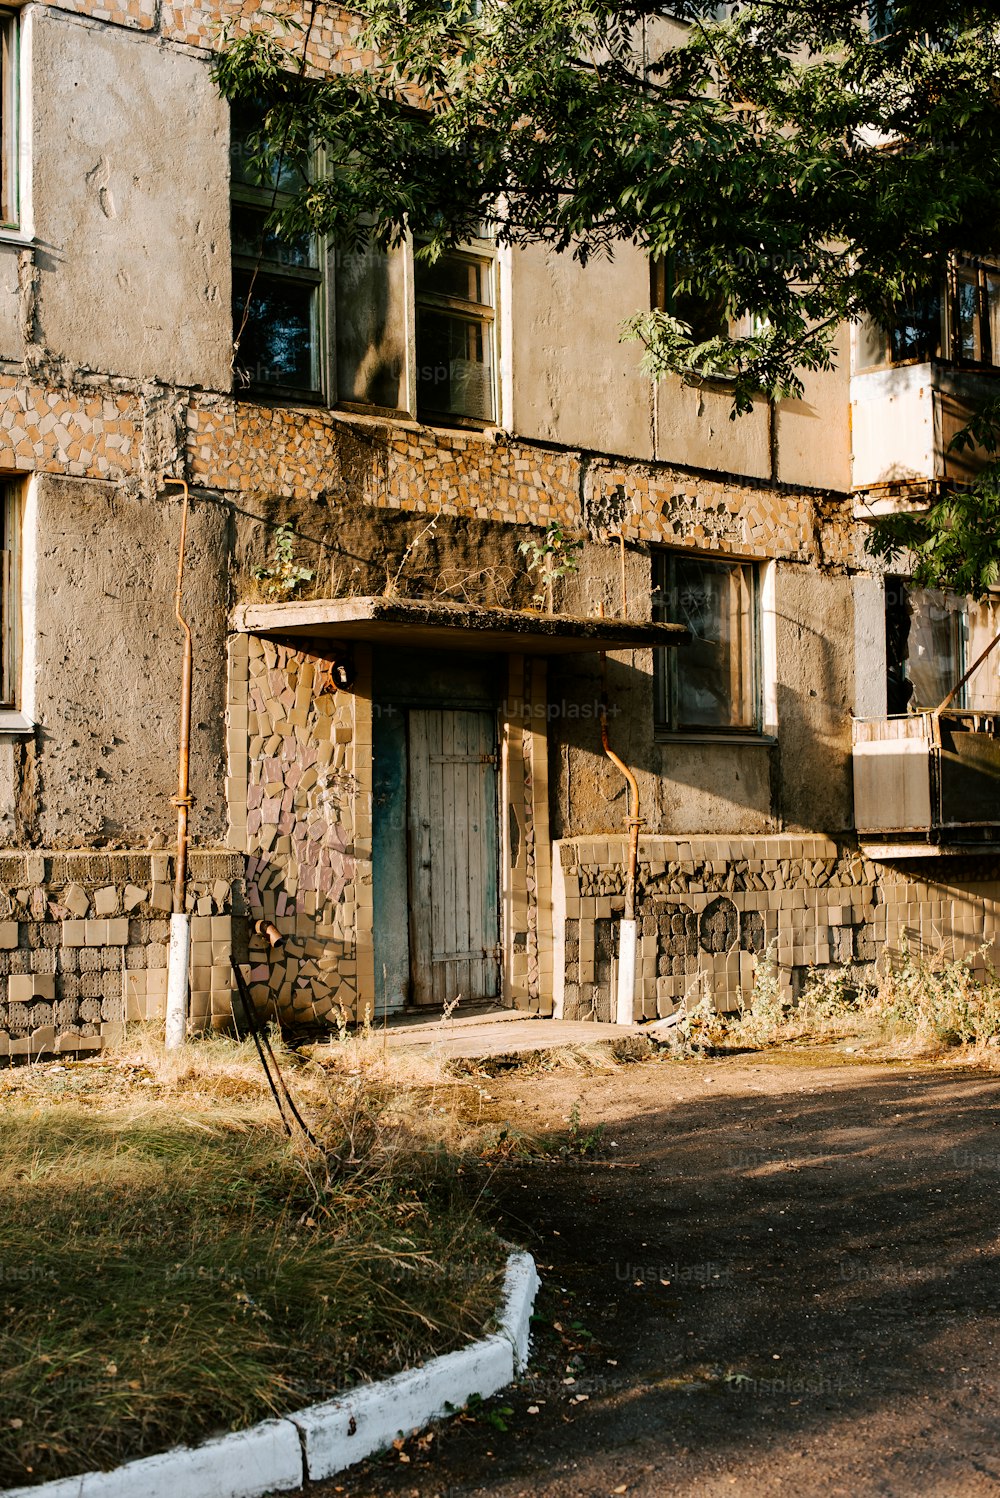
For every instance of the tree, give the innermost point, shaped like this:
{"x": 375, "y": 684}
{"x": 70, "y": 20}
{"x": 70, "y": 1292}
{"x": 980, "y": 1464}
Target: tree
{"x": 792, "y": 162}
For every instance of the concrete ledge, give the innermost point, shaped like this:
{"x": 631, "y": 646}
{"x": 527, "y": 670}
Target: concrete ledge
{"x": 365, "y": 1420}
{"x": 265, "y": 1459}
{"x": 280, "y": 1455}
{"x": 519, "y": 1290}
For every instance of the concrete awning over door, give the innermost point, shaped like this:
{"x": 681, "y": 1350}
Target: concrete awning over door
{"x": 431, "y": 625}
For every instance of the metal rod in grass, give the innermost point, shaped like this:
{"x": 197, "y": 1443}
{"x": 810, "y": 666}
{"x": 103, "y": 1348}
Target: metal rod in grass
{"x": 268, "y": 1060}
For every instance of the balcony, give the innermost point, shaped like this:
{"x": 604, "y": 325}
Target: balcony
{"x": 927, "y": 783}
{"x": 903, "y": 419}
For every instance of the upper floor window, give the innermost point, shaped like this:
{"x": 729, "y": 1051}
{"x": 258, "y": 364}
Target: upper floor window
{"x": 276, "y": 281}
{"x": 713, "y": 683}
{"x": 456, "y": 321}
{"x": 881, "y": 18}
{"x": 9, "y": 109}
{"x": 956, "y": 319}
{"x": 369, "y": 328}
{"x": 705, "y": 316}
{"x": 10, "y": 590}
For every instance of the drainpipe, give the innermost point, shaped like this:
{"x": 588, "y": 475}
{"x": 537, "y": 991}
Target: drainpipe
{"x": 628, "y": 928}
{"x": 180, "y": 921}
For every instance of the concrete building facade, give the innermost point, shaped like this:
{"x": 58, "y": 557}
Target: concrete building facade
{"x": 397, "y": 756}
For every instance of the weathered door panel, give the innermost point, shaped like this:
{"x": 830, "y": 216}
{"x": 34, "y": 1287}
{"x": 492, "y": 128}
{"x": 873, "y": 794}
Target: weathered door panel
{"x": 389, "y": 862}
{"x": 454, "y": 909}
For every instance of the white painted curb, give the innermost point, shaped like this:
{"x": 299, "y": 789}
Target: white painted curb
{"x": 279, "y": 1455}
{"x": 264, "y": 1459}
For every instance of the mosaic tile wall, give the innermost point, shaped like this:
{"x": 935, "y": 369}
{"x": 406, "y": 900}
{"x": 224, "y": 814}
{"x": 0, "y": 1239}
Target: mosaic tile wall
{"x": 237, "y": 447}
{"x": 308, "y": 455}
{"x": 57, "y": 430}
{"x": 721, "y": 513}
{"x": 300, "y": 764}
{"x": 84, "y": 938}
{"x": 710, "y": 906}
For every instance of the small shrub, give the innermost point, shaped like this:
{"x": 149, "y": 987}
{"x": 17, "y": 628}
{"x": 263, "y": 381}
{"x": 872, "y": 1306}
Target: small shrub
{"x": 761, "y": 1021}
{"x": 283, "y": 577}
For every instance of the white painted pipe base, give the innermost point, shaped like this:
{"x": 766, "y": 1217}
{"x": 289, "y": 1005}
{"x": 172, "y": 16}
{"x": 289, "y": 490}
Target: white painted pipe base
{"x": 177, "y": 981}
{"x": 626, "y": 972}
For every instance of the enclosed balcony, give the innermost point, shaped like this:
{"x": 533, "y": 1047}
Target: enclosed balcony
{"x": 903, "y": 420}
{"x": 916, "y": 383}
{"x": 927, "y": 782}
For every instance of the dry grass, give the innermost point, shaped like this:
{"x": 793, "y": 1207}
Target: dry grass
{"x": 171, "y": 1265}
{"x": 917, "y": 1006}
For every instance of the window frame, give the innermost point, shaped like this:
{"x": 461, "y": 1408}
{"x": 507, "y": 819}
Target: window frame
{"x": 947, "y": 289}
{"x": 487, "y": 315}
{"x": 267, "y": 199}
{"x": 10, "y": 114}
{"x": 705, "y": 320}
{"x": 668, "y": 663}
{"x": 321, "y": 277}
{"x": 11, "y": 515}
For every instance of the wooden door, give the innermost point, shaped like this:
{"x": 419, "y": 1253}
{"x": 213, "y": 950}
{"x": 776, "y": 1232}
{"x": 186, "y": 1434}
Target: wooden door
{"x": 454, "y": 906}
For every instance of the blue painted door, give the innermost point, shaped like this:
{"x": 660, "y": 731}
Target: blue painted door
{"x": 389, "y": 863}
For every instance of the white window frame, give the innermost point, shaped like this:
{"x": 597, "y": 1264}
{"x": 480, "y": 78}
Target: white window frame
{"x": 10, "y": 120}
{"x": 11, "y": 521}
{"x": 667, "y": 663}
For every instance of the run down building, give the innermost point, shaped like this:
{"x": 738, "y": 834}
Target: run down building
{"x": 394, "y": 759}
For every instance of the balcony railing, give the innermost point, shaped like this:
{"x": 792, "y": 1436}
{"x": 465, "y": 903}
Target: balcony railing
{"x": 928, "y": 781}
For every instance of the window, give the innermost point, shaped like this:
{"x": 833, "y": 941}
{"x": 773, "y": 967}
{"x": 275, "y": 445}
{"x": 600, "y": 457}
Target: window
{"x": 370, "y": 316}
{"x": 9, "y": 106}
{"x": 932, "y": 638}
{"x": 976, "y": 301}
{"x": 705, "y": 316}
{"x": 957, "y": 319}
{"x": 276, "y": 282}
{"x": 713, "y": 683}
{"x": 370, "y": 329}
{"x": 10, "y": 591}
{"x": 456, "y": 323}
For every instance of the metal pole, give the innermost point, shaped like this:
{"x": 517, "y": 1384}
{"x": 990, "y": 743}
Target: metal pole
{"x": 180, "y": 925}
{"x": 628, "y": 929}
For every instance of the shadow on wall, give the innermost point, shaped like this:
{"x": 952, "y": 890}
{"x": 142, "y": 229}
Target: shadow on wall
{"x": 804, "y": 779}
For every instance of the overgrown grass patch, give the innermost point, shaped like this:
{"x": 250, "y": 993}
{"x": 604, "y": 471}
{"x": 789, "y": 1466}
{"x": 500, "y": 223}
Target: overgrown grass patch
{"x": 171, "y": 1266}
{"x": 916, "y": 1004}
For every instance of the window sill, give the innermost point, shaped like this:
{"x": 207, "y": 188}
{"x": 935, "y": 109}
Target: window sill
{"x": 721, "y": 738}
{"x": 14, "y": 723}
{"x": 953, "y": 366}
{"x": 377, "y": 413}
{"x": 273, "y": 396}
{"x": 442, "y": 421}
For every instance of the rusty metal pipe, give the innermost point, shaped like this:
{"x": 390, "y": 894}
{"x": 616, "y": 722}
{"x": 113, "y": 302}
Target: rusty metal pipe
{"x": 619, "y": 536}
{"x": 627, "y": 929}
{"x": 183, "y": 798}
{"x": 180, "y": 926}
{"x": 634, "y": 819}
